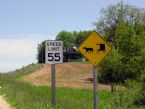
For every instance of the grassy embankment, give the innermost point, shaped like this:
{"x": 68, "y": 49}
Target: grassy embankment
{"x": 22, "y": 95}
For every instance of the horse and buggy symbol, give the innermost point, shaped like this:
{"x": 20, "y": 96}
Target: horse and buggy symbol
{"x": 91, "y": 50}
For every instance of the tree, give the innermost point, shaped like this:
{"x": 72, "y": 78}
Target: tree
{"x": 41, "y": 52}
{"x": 121, "y": 25}
{"x": 67, "y": 38}
{"x": 114, "y": 14}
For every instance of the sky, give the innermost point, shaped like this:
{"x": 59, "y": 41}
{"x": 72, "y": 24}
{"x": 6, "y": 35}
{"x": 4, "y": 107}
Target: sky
{"x": 25, "y": 23}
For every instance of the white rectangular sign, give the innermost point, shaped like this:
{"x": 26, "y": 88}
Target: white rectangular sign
{"x": 53, "y": 52}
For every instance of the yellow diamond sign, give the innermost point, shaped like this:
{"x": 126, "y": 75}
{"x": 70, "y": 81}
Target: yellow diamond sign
{"x": 94, "y": 48}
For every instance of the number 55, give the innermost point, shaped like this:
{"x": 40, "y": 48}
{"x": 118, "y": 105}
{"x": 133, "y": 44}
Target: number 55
{"x": 53, "y": 57}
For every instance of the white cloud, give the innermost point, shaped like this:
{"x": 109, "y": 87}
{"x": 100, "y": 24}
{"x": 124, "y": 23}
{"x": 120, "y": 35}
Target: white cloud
{"x": 19, "y": 51}
{"x": 25, "y": 45}
{"x": 17, "y": 46}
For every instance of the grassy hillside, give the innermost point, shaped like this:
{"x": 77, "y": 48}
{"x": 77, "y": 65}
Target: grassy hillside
{"x": 70, "y": 74}
{"x": 23, "y": 95}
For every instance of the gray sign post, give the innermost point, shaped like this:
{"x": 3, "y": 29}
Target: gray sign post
{"x": 95, "y": 87}
{"x": 53, "y": 97}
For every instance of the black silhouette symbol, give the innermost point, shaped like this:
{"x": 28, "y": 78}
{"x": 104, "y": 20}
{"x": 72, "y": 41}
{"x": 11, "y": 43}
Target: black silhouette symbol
{"x": 88, "y": 50}
{"x": 101, "y": 47}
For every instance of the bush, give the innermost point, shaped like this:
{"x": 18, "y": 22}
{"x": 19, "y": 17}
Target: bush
{"x": 140, "y": 95}
{"x": 111, "y": 69}
{"x": 119, "y": 67}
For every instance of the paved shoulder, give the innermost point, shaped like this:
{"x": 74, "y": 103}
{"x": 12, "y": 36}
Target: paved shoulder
{"x": 4, "y": 104}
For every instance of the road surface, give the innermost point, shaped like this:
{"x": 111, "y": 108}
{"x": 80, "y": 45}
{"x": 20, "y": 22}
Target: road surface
{"x": 3, "y": 103}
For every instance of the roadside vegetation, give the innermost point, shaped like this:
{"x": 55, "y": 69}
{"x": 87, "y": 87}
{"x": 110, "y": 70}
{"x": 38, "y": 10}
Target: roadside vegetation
{"x": 23, "y": 95}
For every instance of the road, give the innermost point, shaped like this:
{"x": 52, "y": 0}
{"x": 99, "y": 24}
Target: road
{"x": 4, "y": 104}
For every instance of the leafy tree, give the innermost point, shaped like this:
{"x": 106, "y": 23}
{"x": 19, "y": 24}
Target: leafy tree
{"x": 121, "y": 24}
{"x": 114, "y": 14}
{"x": 67, "y": 38}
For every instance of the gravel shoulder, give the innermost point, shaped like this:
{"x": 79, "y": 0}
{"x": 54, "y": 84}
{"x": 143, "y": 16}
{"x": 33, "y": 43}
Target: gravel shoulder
{"x": 4, "y": 104}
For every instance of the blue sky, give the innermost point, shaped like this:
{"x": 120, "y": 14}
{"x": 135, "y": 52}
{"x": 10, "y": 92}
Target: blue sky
{"x": 25, "y": 23}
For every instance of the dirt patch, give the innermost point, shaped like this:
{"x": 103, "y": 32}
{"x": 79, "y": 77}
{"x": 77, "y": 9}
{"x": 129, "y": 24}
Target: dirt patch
{"x": 74, "y": 75}
{"x": 4, "y": 104}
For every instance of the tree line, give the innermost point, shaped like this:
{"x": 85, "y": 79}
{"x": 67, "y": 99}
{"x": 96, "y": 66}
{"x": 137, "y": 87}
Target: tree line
{"x": 71, "y": 40}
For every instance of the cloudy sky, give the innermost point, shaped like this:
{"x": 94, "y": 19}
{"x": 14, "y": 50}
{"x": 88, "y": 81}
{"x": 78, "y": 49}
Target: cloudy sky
{"x": 25, "y": 23}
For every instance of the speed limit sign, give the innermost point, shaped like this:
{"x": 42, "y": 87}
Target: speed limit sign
{"x": 53, "y": 52}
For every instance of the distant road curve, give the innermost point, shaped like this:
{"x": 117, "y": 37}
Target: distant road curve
{"x": 4, "y": 104}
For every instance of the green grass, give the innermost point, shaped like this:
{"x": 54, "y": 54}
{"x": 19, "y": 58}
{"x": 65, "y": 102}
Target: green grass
{"x": 22, "y": 95}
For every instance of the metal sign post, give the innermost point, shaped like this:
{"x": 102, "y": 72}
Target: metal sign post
{"x": 53, "y": 98}
{"x": 95, "y": 87}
